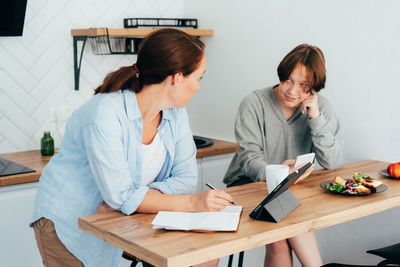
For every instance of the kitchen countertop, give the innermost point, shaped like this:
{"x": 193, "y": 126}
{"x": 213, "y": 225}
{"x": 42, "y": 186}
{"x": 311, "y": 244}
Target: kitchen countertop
{"x": 34, "y": 160}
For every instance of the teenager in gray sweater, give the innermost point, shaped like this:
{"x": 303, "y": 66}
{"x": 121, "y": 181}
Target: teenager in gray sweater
{"x": 276, "y": 124}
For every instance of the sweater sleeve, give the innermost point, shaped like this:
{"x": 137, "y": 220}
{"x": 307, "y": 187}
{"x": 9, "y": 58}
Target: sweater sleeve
{"x": 327, "y": 136}
{"x": 249, "y": 136}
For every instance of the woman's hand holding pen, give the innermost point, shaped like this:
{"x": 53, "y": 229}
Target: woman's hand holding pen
{"x": 211, "y": 200}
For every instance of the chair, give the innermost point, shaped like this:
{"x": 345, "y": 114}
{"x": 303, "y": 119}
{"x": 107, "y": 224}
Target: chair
{"x": 390, "y": 253}
{"x": 345, "y": 265}
{"x": 240, "y": 261}
{"x": 134, "y": 260}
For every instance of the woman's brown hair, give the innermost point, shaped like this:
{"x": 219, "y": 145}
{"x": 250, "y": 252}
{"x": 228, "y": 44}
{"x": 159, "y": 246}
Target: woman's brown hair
{"x": 309, "y": 56}
{"x": 161, "y": 53}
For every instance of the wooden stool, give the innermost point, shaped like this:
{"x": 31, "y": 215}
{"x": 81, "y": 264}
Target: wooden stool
{"x": 134, "y": 260}
{"x": 240, "y": 261}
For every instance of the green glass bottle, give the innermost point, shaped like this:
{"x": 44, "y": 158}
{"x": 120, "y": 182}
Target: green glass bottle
{"x": 47, "y": 144}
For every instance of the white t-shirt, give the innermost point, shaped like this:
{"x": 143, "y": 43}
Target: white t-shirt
{"x": 153, "y": 159}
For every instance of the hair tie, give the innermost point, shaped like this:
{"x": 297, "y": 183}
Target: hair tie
{"x": 136, "y": 69}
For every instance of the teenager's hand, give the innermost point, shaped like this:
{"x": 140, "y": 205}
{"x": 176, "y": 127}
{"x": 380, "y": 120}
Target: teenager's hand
{"x": 310, "y": 105}
{"x": 291, "y": 162}
{"x": 211, "y": 200}
{"x": 305, "y": 174}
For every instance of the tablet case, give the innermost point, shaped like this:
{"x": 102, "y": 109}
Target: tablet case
{"x": 281, "y": 201}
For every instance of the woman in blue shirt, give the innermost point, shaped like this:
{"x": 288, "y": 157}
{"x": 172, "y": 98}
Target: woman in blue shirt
{"x": 129, "y": 148}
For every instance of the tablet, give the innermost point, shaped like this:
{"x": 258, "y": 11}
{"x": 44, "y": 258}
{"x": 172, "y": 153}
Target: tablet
{"x": 10, "y": 168}
{"x": 310, "y": 157}
{"x": 281, "y": 188}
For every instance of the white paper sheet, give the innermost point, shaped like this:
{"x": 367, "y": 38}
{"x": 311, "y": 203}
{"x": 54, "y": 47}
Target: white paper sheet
{"x": 226, "y": 219}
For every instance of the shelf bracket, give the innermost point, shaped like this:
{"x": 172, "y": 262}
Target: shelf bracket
{"x": 77, "y": 66}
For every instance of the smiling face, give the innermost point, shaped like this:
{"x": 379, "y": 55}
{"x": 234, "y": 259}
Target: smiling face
{"x": 293, "y": 91}
{"x": 186, "y": 86}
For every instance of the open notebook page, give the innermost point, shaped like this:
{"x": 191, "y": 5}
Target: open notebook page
{"x": 226, "y": 219}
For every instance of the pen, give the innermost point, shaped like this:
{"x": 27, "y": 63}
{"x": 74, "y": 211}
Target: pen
{"x": 212, "y": 187}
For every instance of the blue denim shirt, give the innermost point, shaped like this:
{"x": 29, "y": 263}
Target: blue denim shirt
{"x": 100, "y": 160}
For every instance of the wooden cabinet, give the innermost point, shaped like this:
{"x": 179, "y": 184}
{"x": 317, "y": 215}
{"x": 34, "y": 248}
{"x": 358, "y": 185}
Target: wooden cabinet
{"x": 17, "y": 195}
{"x": 18, "y": 245}
{"x": 212, "y": 169}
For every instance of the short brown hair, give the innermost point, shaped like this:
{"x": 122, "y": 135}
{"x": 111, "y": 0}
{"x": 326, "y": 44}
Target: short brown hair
{"x": 309, "y": 56}
{"x": 162, "y": 53}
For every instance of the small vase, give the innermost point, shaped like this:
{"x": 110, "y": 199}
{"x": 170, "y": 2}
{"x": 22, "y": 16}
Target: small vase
{"x": 47, "y": 144}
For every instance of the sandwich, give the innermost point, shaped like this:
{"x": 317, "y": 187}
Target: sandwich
{"x": 339, "y": 180}
{"x": 350, "y": 186}
{"x": 367, "y": 181}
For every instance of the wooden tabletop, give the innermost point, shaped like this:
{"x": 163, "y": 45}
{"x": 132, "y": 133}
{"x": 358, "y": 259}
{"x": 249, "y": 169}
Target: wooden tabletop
{"x": 34, "y": 160}
{"x": 318, "y": 209}
{"x": 217, "y": 148}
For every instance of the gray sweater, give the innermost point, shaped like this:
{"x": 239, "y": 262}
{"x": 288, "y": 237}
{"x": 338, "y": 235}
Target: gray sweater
{"x": 264, "y": 136}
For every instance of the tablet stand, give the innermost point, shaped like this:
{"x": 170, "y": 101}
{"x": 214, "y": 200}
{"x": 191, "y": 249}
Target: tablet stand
{"x": 280, "y": 202}
{"x": 278, "y": 208}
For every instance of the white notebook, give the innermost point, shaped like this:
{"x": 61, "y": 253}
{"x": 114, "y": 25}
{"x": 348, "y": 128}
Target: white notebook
{"x": 226, "y": 219}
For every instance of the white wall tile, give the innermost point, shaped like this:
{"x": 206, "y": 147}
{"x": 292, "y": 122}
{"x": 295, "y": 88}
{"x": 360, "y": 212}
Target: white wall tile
{"x": 15, "y": 47}
{"x": 54, "y": 98}
{"x": 47, "y": 14}
{"x": 17, "y": 137}
{"x": 14, "y": 113}
{"x": 50, "y": 80}
{"x": 17, "y": 94}
{"x": 7, "y": 147}
{"x": 15, "y": 70}
{"x": 36, "y": 69}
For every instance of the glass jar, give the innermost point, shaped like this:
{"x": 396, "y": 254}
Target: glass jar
{"x": 47, "y": 144}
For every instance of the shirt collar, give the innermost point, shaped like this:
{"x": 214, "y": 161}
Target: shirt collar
{"x": 132, "y": 108}
{"x": 131, "y": 105}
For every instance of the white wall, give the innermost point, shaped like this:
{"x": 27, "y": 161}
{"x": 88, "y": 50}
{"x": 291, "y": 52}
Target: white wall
{"x": 36, "y": 70}
{"x": 360, "y": 41}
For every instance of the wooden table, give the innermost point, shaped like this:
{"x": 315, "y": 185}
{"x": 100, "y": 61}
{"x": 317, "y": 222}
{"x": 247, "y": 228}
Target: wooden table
{"x": 319, "y": 209}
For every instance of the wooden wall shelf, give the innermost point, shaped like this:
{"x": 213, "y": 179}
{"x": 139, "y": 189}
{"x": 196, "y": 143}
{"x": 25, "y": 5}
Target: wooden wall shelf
{"x": 81, "y": 35}
{"x": 133, "y": 32}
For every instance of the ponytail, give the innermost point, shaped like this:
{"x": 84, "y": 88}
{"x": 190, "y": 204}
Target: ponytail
{"x": 123, "y": 78}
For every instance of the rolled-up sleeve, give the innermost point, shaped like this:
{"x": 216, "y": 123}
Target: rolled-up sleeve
{"x": 107, "y": 159}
